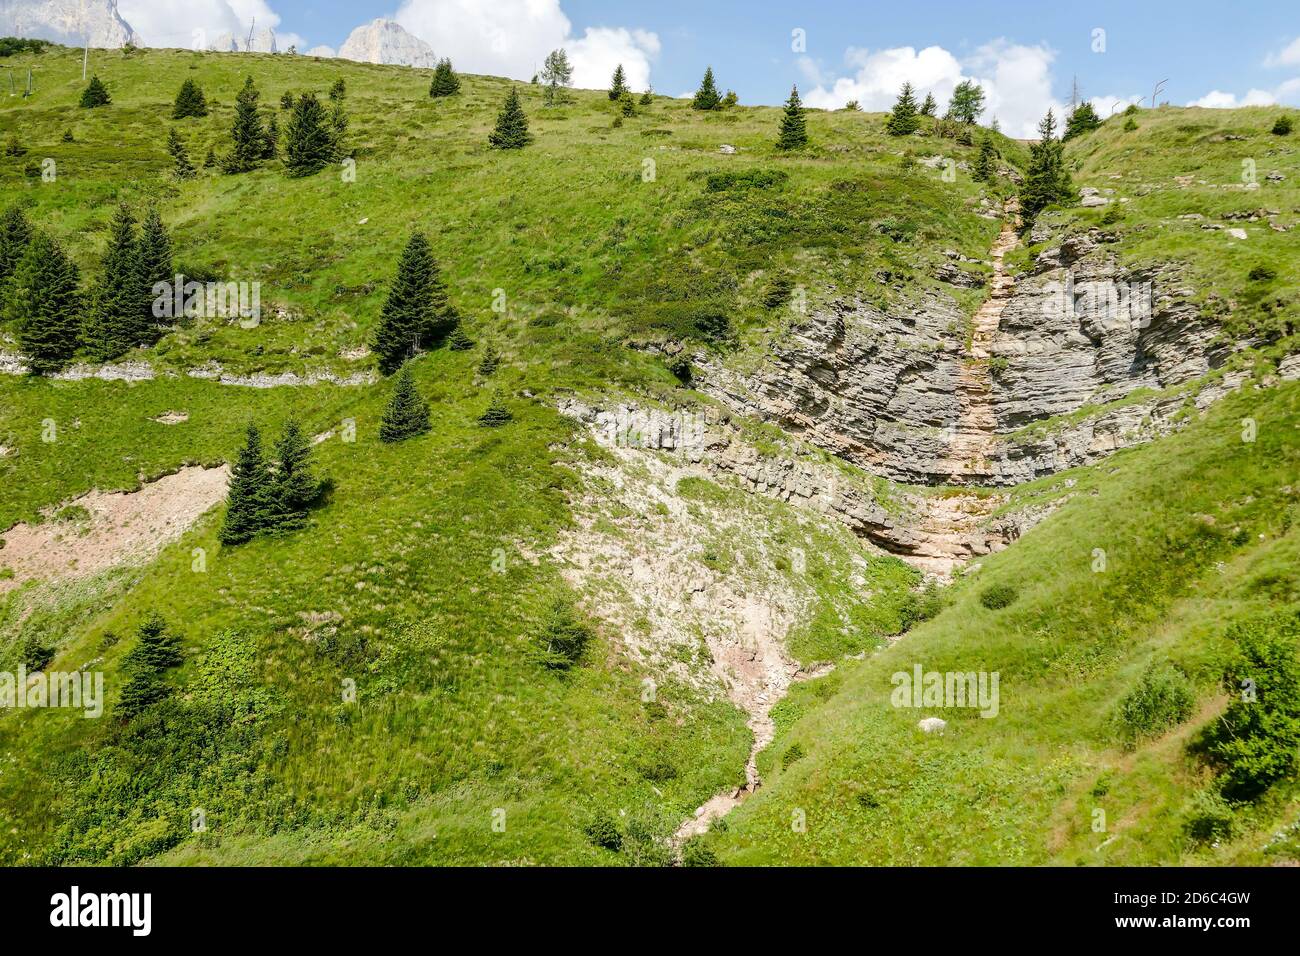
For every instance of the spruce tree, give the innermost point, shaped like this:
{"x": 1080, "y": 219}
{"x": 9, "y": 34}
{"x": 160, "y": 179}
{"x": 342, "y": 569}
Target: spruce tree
{"x": 190, "y": 101}
{"x": 496, "y": 414}
{"x": 182, "y": 168}
{"x": 985, "y": 162}
{"x": 155, "y": 264}
{"x": 95, "y": 94}
{"x": 1082, "y": 119}
{"x": 15, "y": 234}
{"x": 115, "y": 323}
{"x": 445, "y": 81}
{"x": 487, "y": 366}
{"x": 618, "y": 85}
{"x": 706, "y": 97}
{"x": 156, "y": 649}
{"x": 247, "y": 137}
{"x": 250, "y": 508}
{"x": 44, "y": 305}
{"x": 417, "y": 311}
{"x": 407, "y": 413}
{"x": 1047, "y": 181}
{"x": 271, "y": 141}
{"x": 294, "y": 489}
{"x": 141, "y": 690}
{"x": 338, "y": 91}
{"x": 512, "y": 125}
{"x": 210, "y": 160}
{"x": 794, "y": 128}
{"x": 338, "y": 129}
{"x": 308, "y": 139}
{"x": 929, "y": 107}
{"x": 903, "y": 119}
{"x": 458, "y": 340}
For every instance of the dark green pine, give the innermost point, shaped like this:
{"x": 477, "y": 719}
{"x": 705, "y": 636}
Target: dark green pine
{"x": 15, "y": 234}
{"x": 156, "y": 648}
{"x": 707, "y": 97}
{"x": 247, "y": 136}
{"x": 904, "y": 119}
{"x": 308, "y": 146}
{"x": 407, "y": 414}
{"x": 459, "y": 341}
{"x": 417, "y": 311}
{"x": 294, "y": 489}
{"x": 95, "y": 94}
{"x": 156, "y": 274}
{"x": 511, "y": 131}
{"x": 44, "y": 305}
{"x": 181, "y": 165}
{"x": 496, "y": 414}
{"x": 618, "y": 85}
{"x": 794, "y": 127}
{"x": 116, "y": 325}
{"x": 445, "y": 82}
{"x": 249, "y": 504}
{"x": 190, "y": 101}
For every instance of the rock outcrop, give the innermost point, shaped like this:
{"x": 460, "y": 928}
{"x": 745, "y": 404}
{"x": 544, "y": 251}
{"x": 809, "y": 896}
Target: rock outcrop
{"x": 384, "y": 41}
{"x": 892, "y": 391}
{"x": 74, "y": 22}
{"x": 261, "y": 41}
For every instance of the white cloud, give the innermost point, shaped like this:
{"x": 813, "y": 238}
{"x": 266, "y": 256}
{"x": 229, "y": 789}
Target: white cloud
{"x": 1109, "y": 105}
{"x": 1016, "y": 79}
{"x": 512, "y": 38}
{"x": 172, "y": 23}
{"x": 1289, "y": 55}
{"x": 325, "y": 51}
{"x": 1217, "y": 99}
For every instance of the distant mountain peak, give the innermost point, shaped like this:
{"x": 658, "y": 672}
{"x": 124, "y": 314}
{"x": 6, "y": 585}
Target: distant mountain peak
{"x": 72, "y": 22}
{"x": 385, "y": 41}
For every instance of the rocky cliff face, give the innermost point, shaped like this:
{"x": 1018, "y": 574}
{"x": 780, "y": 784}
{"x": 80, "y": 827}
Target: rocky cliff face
{"x": 74, "y": 22}
{"x": 384, "y": 41}
{"x": 262, "y": 41}
{"x": 903, "y": 394}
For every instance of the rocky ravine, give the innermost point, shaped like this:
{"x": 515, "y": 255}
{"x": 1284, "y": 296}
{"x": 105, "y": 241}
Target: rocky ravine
{"x": 903, "y": 395}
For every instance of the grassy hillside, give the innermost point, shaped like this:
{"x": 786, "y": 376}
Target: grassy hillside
{"x": 429, "y": 574}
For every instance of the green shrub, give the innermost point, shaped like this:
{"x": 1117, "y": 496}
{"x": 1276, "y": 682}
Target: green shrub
{"x": 1283, "y": 126}
{"x": 1263, "y": 273}
{"x": 603, "y": 831}
{"x": 696, "y": 852}
{"x": 1254, "y": 744}
{"x": 564, "y": 635}
{"x": 36, "y": 654}
{"x": 793, "y": 754}
{"x": 1208, "y": 817}
{"x": 745, "y": 179}
{"x": 997, "y": 596}
{"x": 646, "y": 837}
{"x": 1162, "y": 699}
{"x": 918, "y": 607}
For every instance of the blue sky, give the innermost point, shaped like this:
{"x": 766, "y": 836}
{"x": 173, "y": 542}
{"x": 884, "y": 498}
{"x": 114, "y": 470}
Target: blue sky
{"x": 1026, "y": 53}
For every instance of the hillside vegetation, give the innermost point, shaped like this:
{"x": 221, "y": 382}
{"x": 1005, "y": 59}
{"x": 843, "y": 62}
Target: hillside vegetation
{"x": 432, "y": 670}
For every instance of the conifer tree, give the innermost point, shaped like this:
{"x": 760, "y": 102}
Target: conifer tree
{"x": 417, "y": 311}
{"x": 210, "y": 160}
{"x": 929, "y": 107}
{"x": 903, "y": 119}
{"x": 794, "y": 128}
{"x": 182, "y": 168}
{"x": 646, "y": 98}
{"x": 15, "y": 234}
{"x": 512, "y": 125}
{"x": 308, "y": 138}
{"x": 407, "y": 413}
{"x": 155, "y": 263}
{"x": 706, "y": 97}
{"x": 271, "y": 142}
{"x": 44, "y": 305}
{"x": 445, "y": 81}
{"x": 286, "y": 101}
{"x": 68, "y": 137}
{"x": 156, "y": 648}
{"x": 338, "y": 130}
{"x": 496, "y": 414}
{"x": 491, "y": 360}
{"x": 338, "y": 91}
{"x": 250, "y": 507}
{"x": 95, "y": 94}
{"x": 618, "y": 85}
{"x": 294, "y": 489}
{"x": 1047, "y": 181}
{"x": 115, "y": 321}
{"x": 1082, "y": 119}
{"x": 247, "y": 137}
{"x": 190, "y": 101}
{"x": 985, "y": 162}
{"x": 458, "y": 340}
{"x": 557, "y": 74}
